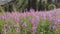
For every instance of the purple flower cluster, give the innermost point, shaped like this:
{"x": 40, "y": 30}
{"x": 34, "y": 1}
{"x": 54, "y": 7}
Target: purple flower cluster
{"x": 16, "y": 18}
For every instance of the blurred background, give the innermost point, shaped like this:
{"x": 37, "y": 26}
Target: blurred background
{"x": 23, "y": 5}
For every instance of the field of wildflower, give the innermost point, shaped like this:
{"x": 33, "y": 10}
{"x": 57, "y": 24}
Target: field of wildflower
{"x": 33, "y": 22}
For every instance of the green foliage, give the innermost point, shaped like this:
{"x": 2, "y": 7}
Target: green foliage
{"x": 17, "y": 5}
{"x": 51, "y": 6}
{"x": 2, "y": 22}
{"x": 1, "y": 9}
{"x": 57, "y": 29}
{"x": 43, "y": 27}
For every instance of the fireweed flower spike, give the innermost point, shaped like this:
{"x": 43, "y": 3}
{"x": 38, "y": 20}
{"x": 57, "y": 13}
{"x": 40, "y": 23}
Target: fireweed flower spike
{"x": 24, "y": 25}
{"x": 15, "y": 18}
{"x": 34, "y": 30}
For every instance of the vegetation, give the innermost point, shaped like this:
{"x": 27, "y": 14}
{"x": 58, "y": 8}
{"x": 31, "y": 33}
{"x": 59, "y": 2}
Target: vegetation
{"x": 19, "y": 5}
{"x": 30, "y": 22}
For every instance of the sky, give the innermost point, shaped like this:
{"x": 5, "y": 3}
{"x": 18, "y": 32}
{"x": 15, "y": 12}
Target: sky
{"x": 2, "y": 2}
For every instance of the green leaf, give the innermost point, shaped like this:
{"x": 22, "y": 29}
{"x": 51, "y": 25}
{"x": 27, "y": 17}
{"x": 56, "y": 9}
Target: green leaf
{"x": 12, "y": 31}
{"x": 29, "y": 26}
{"x": 1, "y": 25}
{"x": 29, "y": 32}
{"x": 2, "y": 22}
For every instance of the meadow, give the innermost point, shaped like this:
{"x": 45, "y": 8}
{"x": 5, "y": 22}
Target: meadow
{"x": 33, "y": 22}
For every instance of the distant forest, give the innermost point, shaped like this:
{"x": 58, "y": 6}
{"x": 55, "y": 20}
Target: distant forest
{"x": 28, "y": 4}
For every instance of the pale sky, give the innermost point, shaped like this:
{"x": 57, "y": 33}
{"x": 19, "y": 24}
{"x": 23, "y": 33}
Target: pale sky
{"x": 4, "y": 1}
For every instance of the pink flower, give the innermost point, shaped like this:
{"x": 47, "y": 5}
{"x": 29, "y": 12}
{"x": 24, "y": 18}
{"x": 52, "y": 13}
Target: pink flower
{"x": 17, "y": 29}
{"x": 34, "y": 22}
{"x": 34, "y": 30}
{"x": 24, "y": 24}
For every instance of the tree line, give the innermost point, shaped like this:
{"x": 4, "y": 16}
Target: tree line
{"x": 30, "y": 4}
